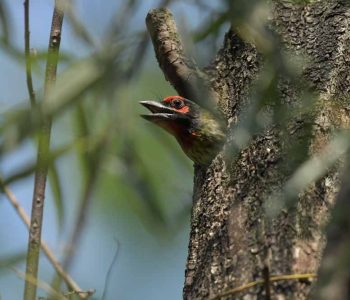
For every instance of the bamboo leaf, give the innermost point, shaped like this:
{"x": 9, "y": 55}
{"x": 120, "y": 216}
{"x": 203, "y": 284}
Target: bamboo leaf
{"x": 83, "y": 131}
{"x": 137, "y": 177}
{"x": 56, "y": 187}
{"x": 71, "y": 85}
{"x": 21, "y": 174}
{"x": 213, "y": 27}
{"x": 11, "y": 260}
{"x": 4, "y": 22}
{"x": 29, "y": 169}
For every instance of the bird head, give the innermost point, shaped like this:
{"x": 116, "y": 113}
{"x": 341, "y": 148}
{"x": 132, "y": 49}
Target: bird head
{"x": 198, "y": 131}
{"x": 175, "y": 114}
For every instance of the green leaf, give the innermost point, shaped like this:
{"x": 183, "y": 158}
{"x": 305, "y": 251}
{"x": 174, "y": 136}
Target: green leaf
{"x": 29, "y": 169}
{"x": 56, "y": 187}
{"x": 83, "y": 131}
{"x": 21, "y": 174}
{"x": 138, "y": 178}
{"x": 213, "y": 27}
{"x": 4, "y": 22}
{"x": 71, "y": 85}
{"x": 11, "y": 260}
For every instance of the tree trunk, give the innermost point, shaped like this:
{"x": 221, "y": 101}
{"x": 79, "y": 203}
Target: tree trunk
{"x": 235, "y": 239}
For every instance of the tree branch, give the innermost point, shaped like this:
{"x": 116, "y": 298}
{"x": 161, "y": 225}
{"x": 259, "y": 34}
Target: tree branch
{"x": 33, "y": 251}
{"x": 39, "y": 283}
{"x": 142, "y": 47}
{"x": 48, "y": 252}
{"x": 180, "y": 71}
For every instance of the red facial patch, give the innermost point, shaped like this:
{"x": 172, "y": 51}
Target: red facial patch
{"x": 171, "y": 98}
{"x": 184, "y": 109}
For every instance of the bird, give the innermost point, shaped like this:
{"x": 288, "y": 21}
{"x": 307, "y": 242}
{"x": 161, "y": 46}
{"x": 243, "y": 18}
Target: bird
{"x": 199, "y": 132}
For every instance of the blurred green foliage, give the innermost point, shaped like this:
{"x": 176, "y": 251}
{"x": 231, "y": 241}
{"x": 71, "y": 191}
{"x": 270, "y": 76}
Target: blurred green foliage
{"x": 100, "y": 99}
{"x": 126, "y": 164}
{"x": 115, "y": 160}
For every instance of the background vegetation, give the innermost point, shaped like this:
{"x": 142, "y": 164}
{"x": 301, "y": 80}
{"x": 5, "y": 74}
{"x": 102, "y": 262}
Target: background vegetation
{"x": 135, "y": 179}
{"x": 119, "y": 193}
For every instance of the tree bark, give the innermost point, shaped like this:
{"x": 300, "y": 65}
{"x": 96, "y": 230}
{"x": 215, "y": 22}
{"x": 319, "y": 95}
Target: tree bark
{"x": 233, "y": 239}
{"x": 334, "y": 274}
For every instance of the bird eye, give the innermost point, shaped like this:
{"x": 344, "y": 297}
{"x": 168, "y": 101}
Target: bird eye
{"x": 177, "y": 103}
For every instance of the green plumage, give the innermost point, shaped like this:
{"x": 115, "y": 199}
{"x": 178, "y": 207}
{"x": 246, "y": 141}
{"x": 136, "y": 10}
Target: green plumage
{"x": 199, "y": 133}
{"x": 207, "y": 141}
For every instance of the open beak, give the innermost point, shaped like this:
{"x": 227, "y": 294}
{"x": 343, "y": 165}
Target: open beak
{"x": 160, "y": 112}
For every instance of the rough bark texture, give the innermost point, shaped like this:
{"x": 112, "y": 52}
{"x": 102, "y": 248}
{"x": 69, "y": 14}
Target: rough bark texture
{"x": 232, "y": 241}
{"x": 334, "y": 275}
{"x": 179, "y": 70}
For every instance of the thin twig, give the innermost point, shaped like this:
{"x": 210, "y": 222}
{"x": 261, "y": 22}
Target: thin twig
{"x": 28, "y": 54}
{"x": 81, "y": 294}
{"x": 48, "y": 252}
{"x": 33, "y": 251}
{"x": 109, "y": 272}
{"x": 39, "y": 283}
{"x": 262, "y": 281}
